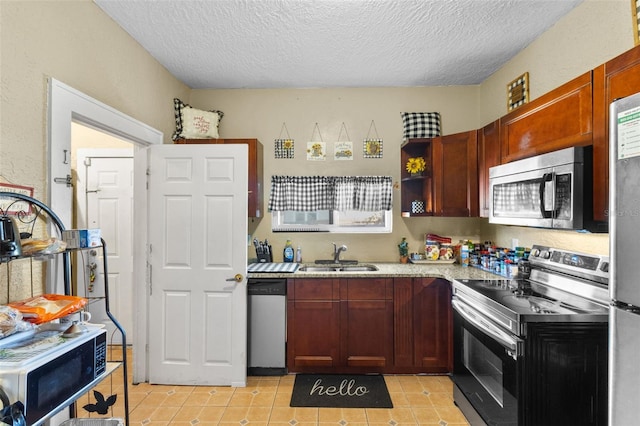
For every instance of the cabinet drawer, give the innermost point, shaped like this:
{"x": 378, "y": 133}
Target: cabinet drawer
{"x": 366, "y": 289}
{"x": 314, "y": 289}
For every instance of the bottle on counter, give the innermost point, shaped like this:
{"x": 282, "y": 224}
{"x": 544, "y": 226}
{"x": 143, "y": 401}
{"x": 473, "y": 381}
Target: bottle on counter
{"x": 299, "y": 255}
{"x": 287, "y": 254}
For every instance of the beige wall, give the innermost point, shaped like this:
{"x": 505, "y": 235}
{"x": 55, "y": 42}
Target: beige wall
{"x": 76, "y": 43}
{"x": 593, "y": 33}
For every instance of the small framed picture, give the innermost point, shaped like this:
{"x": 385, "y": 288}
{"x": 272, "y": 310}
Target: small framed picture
{"x": 518, "y": 92}
{"x": 372, "y": 148}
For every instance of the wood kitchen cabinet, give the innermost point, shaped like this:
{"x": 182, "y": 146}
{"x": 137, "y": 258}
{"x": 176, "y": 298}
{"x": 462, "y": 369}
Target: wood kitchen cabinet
{"x": 255, "y": 183}
{"x": 559, "y": 119}
{"x": 449, "y": 185}
{"x": 617, "y": 78}
{"x": 339, "y": 325}
{"x": 362, "y": 325}
{"x": 313, "y": 324}
{"x": 423, "y": 326}
{"x": 366, "y": 323}
{"x": 455, "y": 175}
{"x": 416, "y": 188}
{"x": 488, "y": 156}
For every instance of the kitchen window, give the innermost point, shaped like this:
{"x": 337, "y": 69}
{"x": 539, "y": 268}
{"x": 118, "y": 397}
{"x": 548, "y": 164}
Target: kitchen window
{"x": 340, "y": 204}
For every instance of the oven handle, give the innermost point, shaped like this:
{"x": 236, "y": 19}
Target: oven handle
{"x": 511, "y": 343}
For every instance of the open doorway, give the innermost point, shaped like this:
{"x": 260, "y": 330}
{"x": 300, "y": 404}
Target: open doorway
{"x": 66, "y": 106}
{"x": 102, "y": 169}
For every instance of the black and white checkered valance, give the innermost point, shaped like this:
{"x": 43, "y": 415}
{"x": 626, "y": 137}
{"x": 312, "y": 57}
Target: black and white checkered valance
{"x": 308, "y": 193}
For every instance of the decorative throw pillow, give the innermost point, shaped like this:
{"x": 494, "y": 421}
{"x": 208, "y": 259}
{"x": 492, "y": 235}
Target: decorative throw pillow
{"x": 193, "y": 123}
{"x": 420, "y": 124}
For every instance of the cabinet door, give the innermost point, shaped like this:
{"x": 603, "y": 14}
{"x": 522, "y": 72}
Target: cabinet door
{"x": 559, "y": 119}
{"x": 367, "y": 323}
{"x": 618, "y": 78}
{"x": 313, "y": 325}
{"x": 432, "y": 325}
{"x": 488, "y": 156}
{"x": 455, "y": 175}
{"x": 255, "y": 183}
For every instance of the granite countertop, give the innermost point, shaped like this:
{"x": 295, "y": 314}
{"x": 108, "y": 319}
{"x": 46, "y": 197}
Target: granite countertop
{"x": 447, "y": 271}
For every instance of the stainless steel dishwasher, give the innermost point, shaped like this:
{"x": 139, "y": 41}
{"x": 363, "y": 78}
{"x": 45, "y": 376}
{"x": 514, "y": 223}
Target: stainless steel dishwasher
{"x": 267, "y": 334}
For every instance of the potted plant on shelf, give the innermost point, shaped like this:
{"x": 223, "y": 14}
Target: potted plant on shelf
{"x": 415, "y": 166}
{"x": 403, "y": 247}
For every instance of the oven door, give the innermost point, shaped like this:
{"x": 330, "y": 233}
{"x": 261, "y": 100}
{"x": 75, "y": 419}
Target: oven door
{"x": 487, "y": 368}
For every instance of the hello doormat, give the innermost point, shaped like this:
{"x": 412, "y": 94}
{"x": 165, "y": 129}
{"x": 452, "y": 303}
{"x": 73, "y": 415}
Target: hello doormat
{"x": 340, "y": 391}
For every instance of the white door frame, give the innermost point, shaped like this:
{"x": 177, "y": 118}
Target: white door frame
{"x": 67, "y": 104}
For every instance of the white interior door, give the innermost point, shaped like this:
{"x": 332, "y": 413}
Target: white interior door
{"x": 197, "y": 231}
{"x": 105, "y": 186}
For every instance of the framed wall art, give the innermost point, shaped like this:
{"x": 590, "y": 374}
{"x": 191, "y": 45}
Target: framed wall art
{"x": 518, "y": 92}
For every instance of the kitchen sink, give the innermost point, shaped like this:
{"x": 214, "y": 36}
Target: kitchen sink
{"x": 338, "y": 268}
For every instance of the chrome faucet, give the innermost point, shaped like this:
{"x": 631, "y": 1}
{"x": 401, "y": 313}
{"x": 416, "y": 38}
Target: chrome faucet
{"x": 336, "y": 252}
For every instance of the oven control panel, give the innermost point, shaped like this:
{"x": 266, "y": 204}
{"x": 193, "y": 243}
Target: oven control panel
{"x": 591, "y": 266}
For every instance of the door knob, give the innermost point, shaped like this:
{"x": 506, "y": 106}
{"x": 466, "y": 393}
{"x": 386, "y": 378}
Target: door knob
{"x": 237, "y": 278}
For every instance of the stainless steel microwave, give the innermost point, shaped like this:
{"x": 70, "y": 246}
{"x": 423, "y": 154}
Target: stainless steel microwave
{"x": 550, "y": 190}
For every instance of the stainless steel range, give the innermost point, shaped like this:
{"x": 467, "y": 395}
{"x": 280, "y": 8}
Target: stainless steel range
{"x": 533, "y": 351}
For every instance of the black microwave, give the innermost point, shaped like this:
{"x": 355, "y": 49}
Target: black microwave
{"x": 47, "y": 372}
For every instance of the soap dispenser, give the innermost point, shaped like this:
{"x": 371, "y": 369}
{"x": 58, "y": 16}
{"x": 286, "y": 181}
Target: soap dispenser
{"x": 287, "y": 254}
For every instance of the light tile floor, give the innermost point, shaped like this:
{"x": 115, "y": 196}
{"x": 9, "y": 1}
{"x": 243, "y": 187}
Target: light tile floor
{"x": 417, "y": 400}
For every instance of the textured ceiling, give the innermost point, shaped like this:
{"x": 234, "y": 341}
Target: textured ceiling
{"x": 334, "y": 43}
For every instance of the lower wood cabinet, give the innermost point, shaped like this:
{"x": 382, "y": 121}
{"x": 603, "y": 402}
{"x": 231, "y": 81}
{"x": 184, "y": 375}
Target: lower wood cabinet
{"x": 313, "y": 324}
{"x": 364, "y": 325}
{"x": 423, "y": 325}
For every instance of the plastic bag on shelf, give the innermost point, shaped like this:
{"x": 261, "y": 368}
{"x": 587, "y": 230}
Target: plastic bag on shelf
{"x": 34, "y": 246}
{"x": 11, "y": 321}
{"x": 47, "y": 307}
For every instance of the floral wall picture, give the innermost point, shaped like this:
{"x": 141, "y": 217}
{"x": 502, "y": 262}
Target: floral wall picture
{"x": 316, "y": 151}
{"x": 343, "y": 151}
{"x": 283, "y": 148}
{"x": 372, "y": 148}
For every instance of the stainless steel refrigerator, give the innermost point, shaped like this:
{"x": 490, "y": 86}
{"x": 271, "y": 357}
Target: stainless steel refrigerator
{"x": 624, "y": 284}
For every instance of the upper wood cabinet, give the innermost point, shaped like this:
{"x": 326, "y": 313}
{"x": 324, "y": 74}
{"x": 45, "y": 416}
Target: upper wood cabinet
{"x": 416, "y": 188}
{"x": 617, "y": 78}
{"x": 488, "y": 156}
{"x": 449, "y": 185}
{"x": 559, "y": 119}
{"x": 455, "y": 175}
{"x": 255, "y": 208}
